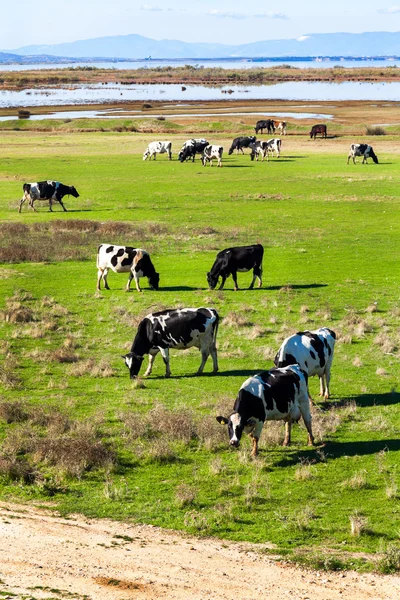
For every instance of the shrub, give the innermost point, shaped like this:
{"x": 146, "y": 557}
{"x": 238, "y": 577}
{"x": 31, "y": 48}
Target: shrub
{"x": 374, "y": 130}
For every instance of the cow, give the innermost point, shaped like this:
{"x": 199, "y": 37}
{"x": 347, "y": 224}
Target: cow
{"x": 231, "y": 260}
{"x": 274, "y": 395}
{"x": 313, "y": 351}
{"x": 258, "y": 148}
{"x": 155, "y": 148}
{"x": 241, "y": 142}
{"x": 210, "y": 152}
{"x": 124, "y": 259}
{"x": 274, "y": 145}
{"x": 268, "y": 124}
{"x": 192, "y": 147}
{"x": 315, "y": 129}
{"x": 179, "y": 328}
{"x": 363, "y": 150}
{"x": 46, "y": 190}
{"x": 280, "y": 126}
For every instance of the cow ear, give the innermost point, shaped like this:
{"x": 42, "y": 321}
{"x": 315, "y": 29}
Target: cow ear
{"x": 251, "y": 422}
{"x": 124, "y": 356}
{"x": 222, "y": 420}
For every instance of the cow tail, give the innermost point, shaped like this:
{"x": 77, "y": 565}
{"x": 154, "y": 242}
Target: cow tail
{"x": 98, "y": 252}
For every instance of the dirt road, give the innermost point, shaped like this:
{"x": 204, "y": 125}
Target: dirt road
{"x": 46, "y": 556}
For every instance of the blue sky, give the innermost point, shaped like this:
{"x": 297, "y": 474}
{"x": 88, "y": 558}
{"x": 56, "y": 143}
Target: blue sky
{"x": 224, "y": 21}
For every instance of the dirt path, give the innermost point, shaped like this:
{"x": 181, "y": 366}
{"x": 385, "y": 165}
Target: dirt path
{"x": 46, "y": 556}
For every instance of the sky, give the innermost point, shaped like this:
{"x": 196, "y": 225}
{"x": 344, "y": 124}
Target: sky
{"x": 222, "y": 21}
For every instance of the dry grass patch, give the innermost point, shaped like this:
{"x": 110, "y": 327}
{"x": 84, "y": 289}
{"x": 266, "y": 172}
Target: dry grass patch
{"x": 16, "y": 469}
{"x": 236, "y": 319}
{"x": 359, "y": 481}
{"x": 185, "y": 495}
{"x": 383, "y": 341}
{"x": 91, "y": 368}
{"x": 64, "y": 355}
{"x": 358, "y": 523}
{"x": 13, "y": 412}
{"x": 304, "y": 472}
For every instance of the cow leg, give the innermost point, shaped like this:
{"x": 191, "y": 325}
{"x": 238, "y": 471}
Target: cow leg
{"x": 288, "y": 431}
{"x": 258, "y": 273}
{"x": 99, "y": 276}
{"x": 305, "y": 413}
{"x": 234, "y": 277}
{"x": 213, "y": 352}
{"x": 255, "y": 436}
{"x": 23, "y": 199}
{"x": 165, "y": 355}
{"x": 204, "y": 355}
{"x": 322, "y": 384}
{"x": 105, "y": 273}
{"x": 152, "y": 356}
{"x": 221, "y": 287}
{"x": 327, "y": 381}
{"x": 30, "y": 204}
{"x": 61, "y": 202}
{"x": 133, "y": 275}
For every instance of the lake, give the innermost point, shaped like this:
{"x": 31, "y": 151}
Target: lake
{"x": 222, "y": 64}
{"x": 114, "y": 93}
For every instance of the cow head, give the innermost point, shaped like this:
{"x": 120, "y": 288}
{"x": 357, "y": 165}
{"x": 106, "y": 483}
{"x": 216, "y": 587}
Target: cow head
{"x": 311, "y": 133}
{"x": 236, "y": 426}
{"x": 154, "y": 280}
{"x": 73, "y": 191}
{"x": 146, "y": 154}
{"x": 181, "y": 156}
{"x": 373, "y": 156}
{"x": 230, "y": 151}
{"x": 212, "y": 280}
{"x": 133, "y": 362}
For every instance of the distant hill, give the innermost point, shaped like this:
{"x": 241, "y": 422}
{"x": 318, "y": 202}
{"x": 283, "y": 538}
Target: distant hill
{"x": 136, "y": 46}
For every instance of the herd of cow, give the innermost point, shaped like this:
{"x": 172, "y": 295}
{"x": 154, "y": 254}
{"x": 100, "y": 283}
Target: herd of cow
{"x": 280, "y": 393}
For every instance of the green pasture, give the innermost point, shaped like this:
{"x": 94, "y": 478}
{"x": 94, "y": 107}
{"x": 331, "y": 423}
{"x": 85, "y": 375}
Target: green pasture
{"x": 331, "y": 238}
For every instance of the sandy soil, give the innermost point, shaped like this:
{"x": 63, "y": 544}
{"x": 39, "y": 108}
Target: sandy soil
{"x": 47, "y": 556}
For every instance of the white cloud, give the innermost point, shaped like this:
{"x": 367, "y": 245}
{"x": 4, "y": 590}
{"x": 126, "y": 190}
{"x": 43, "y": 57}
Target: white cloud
{"x": 151, "y": 8}
{"x": 302, "y": 38}
{"x": 389, "y": 11}
{"x": 234, "y": 15}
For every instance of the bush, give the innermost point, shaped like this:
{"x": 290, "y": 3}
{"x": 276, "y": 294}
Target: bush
{"x": 375, "y": 130}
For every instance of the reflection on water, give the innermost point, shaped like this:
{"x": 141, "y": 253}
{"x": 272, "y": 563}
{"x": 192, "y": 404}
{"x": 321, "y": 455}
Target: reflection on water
{"x": 113, "y": 92}
{"x": 222, "y": 64}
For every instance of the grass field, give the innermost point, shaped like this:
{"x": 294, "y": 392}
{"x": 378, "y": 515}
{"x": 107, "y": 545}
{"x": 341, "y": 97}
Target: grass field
{"x": 79, "y": 436}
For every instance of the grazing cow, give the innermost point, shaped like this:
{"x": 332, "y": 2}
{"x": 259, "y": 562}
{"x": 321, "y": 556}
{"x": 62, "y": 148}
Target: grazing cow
{"x": 363, "y": 150}
{"x": 192, "y": 147}
{"x": 280, "y": 126}
{"x": 315, "y": 129}
{"x": 124, "y": 259}
{"x": 155, "y": 148}
{"x": 241, "y": 142}
{"x": 259, "y": 148}
{"x": 176, "y": 328}
{"x": 268, "y": 124}
{"x": 232, "y": 260}
{"x": 313, "y": 351}
{"x": 210, "y": 152}
{"x": 274, "y": 395}
{"x": 46, "y": 190}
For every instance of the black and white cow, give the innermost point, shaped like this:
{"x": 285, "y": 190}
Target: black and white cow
{"x": 192, "y": 147}
{"x": 155, "y": 148}
{"x": 267, "y": 124}
{"x": 233, "y": 260}
{"x": 274, "y": 145}
{"x": 313, "y": 351}
{"x": 363, "y": 150}
{"x": 241, "y": 142}
{"x": 179, "y": 328}
{"x": 274, "y": 395}
{"x": 318, "y": 129}
{"x": 258, "y": 148}
{"x": 124, "y": 259}
{"x": 46, "y": 190}
{"x": 210, "y": 152}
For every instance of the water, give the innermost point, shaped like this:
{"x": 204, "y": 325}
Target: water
{"x": 112, "y": 93}
{"x": 222, "y": 64}
{"x": 138, "y": 114}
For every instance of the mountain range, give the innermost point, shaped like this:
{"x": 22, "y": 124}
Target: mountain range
{"x": 138, "y": 47}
